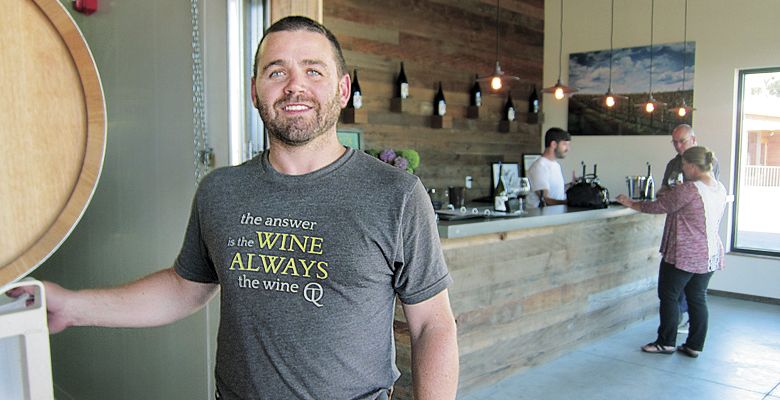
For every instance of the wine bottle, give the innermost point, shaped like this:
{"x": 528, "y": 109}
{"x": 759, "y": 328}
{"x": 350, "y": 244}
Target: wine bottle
{"x": 439, "y": 104}
{"x": 499, "y": 195}
{"x": 401, "y": 84}
{"x": 475, "y": 99}
{"x": 533, "y": 102}
{"x": 356, "y": 97}
{"x": 509, "y": 109}
{"x": 649, "y": 189}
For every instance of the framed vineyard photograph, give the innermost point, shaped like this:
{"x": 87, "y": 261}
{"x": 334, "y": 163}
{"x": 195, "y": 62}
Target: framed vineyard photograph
{"x": 672, "y": 82}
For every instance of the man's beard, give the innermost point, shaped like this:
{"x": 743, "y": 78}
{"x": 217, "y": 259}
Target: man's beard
{"x": 559, "y": 154}
{"x": 297, "y": 131}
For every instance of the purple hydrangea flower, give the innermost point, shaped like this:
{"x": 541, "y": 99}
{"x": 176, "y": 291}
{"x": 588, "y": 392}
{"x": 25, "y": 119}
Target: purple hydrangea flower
{"x": 387, "y": 155}
{"x": 401, "y": 162}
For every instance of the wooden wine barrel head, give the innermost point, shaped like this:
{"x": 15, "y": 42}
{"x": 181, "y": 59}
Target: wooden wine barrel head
{"x": 52, "y": 132}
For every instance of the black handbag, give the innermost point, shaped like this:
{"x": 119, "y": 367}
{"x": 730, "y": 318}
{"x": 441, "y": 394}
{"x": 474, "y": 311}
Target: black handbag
{"x": 586, "y": 192}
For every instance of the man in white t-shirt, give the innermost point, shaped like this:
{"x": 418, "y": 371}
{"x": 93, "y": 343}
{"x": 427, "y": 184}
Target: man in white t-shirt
{"x": 545, "y": 175}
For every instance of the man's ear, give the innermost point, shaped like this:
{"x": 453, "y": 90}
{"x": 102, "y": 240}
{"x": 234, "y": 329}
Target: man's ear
{"x": 345, "y": 89}
{"x": 253, "y": 93}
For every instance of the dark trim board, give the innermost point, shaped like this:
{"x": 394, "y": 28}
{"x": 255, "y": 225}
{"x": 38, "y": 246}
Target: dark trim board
{"x": 742, "y": 296}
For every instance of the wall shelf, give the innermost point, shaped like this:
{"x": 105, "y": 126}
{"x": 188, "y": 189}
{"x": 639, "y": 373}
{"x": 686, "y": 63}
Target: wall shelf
{"x": 472, "y": 112}
{"x": 441, "y": 122}
{"x": 354, "y": 116}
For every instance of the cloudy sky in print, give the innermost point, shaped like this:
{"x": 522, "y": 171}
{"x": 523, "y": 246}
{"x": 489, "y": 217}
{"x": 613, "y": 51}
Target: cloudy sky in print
{"x": 589, "y": 72}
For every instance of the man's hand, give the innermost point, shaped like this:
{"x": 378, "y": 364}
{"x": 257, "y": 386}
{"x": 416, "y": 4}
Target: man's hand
{"x": 55, "y": 298}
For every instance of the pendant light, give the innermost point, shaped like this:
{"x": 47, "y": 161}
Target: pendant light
{"x": 498, "y": 79}
{"x": 683, "y": 109}
{"x": 651, "y": 104}
{"x": 610, "y": 99}
{"x": 560, "y": 90}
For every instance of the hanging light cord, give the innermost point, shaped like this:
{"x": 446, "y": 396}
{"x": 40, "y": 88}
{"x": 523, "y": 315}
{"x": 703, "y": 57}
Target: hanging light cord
{"x": 652, "y": 9}
{"x": 498, "y": 24}
{"x": 611, "y": 35}
{"x": 560, "y": 45}
{"x": 685, "y": 44}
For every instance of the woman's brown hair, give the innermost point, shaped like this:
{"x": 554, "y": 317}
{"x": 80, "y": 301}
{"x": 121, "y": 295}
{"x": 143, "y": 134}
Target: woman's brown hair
{"x": 699, "y": 156}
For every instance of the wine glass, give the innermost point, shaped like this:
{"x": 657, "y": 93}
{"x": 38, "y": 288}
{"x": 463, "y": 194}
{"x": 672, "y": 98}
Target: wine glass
{"x": 525, "y": 187}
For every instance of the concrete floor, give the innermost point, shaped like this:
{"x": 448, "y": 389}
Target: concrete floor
{"x": 741, "y": 360}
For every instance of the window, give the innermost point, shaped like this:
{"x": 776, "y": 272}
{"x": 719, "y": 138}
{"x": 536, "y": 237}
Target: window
{"x": 247, "y": 20}
{"x": 756, "y": 227}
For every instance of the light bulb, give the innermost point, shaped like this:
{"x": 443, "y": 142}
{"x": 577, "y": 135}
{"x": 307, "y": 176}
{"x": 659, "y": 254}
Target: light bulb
{"x": 558, "y": 93}
{"x": 682, "y": 111}
{"x": 649, "y": 107}
{"x": 610, "y": 101}
{"x": 495, "y": 83}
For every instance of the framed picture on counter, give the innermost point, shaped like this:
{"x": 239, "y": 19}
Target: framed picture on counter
{"x": 511, "y": 174}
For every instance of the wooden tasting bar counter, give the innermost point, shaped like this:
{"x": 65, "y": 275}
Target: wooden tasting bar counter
{"x": 530, "y": 288}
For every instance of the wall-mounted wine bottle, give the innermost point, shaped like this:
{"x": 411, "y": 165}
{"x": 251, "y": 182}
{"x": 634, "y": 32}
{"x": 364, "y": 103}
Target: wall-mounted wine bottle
{"x": 439, "y": 104}
{"x": 401, "y": 84}
{"x": 475, "y": 99}
{"x": 533, "y": 102}
{"x": 532, "y": 117}
{"x": 509, "y": 109}
{"x": 356, "y": 97}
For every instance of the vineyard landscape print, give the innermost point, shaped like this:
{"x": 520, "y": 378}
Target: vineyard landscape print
{"x": 589, "y": 72}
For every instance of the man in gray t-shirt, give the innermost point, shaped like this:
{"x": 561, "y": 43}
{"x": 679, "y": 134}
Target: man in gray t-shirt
{"x": 309, "y": 271}
{"x": 308, "y": 245}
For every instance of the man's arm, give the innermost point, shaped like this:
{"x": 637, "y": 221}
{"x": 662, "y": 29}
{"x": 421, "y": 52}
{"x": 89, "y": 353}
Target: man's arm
{"x": 549, "y": 200}
{"x": 156, "y": 299}
{"x": 434, "y": 348}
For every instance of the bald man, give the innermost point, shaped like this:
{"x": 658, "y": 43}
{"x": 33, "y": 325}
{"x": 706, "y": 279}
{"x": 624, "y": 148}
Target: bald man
{"x": 683, "y": 138}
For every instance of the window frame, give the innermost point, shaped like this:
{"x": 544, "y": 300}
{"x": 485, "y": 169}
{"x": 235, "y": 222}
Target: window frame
{"x": 734, "y": 248}
{"x": 247, "y": 20}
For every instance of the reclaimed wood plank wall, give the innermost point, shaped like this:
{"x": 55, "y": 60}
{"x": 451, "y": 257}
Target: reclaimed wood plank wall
{"x": 448, "y": 41}
{"x": 521, "y": 298}
{"x": 308, "y": 8}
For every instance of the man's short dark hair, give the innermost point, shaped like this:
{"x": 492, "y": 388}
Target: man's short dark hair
{"x": 555, "y": 135}
{"x": 299, "y": 23}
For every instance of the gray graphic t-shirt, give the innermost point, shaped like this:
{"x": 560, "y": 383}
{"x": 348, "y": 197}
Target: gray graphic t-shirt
{"x": 309, "y": 267}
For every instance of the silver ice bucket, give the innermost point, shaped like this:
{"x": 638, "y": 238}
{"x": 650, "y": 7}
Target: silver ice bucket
{"x": 636, "y": 186}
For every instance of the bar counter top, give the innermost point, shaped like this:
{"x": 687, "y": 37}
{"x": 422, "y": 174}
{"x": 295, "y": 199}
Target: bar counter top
{"x": 532, "y": 218}
{"x": 529, "y": 288}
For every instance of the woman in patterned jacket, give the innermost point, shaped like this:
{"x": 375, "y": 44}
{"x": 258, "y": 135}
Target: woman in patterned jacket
{"x": 691, "y": 249}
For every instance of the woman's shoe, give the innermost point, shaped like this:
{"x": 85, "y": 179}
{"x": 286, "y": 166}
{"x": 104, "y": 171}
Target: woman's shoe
{"x": 657, "y": 348}
{"x": 688, "y": 351}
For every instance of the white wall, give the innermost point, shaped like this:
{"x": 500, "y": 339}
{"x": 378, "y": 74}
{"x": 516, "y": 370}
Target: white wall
{"x": 729, "y": 36}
